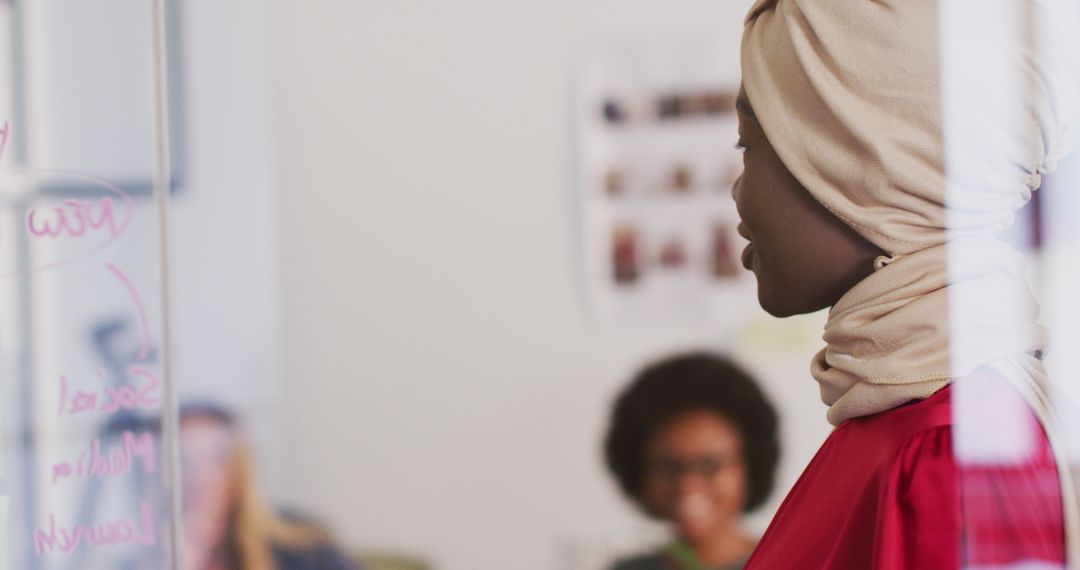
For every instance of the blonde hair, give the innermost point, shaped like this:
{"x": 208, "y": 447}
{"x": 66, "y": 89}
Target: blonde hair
{"x": 255, "y": 528}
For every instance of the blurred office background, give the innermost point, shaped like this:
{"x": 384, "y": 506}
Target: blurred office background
{"x": 445, "y": 384}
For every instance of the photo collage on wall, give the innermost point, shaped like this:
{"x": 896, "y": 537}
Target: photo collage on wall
{"x": 658, "y": 161}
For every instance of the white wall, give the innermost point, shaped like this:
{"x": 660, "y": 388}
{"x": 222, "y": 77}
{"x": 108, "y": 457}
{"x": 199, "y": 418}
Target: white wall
{"x": 224, "y": 254}
{"x": 445, "y": 394}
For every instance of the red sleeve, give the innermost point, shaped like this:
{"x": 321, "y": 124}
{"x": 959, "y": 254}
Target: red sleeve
{"x": 937, "y": 513}
{"x": 919, "y": 522}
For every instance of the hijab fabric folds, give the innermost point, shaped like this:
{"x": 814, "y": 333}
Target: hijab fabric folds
{"x": 850, "y": 94}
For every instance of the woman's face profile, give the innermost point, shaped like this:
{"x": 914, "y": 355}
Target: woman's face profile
{"x": 804, "y": 258}
{"x": 695, "y": 475}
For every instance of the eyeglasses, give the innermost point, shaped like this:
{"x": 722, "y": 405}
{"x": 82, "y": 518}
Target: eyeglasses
{"x": 672, "y": 469}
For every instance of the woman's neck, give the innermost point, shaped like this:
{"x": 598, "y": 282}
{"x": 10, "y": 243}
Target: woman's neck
{"x": 724, "y": 548}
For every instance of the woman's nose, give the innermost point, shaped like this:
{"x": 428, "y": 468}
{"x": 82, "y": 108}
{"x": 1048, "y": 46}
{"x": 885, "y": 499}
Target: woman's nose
{"x": 691, "y": 481}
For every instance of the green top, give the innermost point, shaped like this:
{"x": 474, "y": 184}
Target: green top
{"x": 675, "y": 556}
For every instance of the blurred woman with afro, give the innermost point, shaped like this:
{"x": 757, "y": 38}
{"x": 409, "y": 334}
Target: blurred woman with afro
{"x": 693, "y": 441}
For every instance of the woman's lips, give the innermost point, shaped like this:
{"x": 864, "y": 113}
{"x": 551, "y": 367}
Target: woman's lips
{"x": 748, "y": 253}
{"x": 748, "y": 257}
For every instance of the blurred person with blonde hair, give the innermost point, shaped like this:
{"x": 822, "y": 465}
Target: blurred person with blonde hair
{"x": 228, "y": 525}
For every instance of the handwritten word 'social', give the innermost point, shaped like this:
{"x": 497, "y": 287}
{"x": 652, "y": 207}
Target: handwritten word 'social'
{"x": 111, "y": 399}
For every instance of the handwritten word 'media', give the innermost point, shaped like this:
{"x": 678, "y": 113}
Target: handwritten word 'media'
{"x": 119, "y": 461}
{"x": 119, "y": 531}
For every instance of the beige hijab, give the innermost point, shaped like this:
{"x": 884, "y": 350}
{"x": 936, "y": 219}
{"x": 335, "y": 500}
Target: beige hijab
{"x": 850, "y": 93}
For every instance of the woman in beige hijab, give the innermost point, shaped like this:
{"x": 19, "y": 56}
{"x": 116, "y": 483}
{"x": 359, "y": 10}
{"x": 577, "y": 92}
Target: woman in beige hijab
{"x": 855, "y": 199}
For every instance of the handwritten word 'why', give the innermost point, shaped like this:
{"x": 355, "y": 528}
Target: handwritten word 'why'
{"x": 95, "y": 222}
{"x": 81, "y": 220}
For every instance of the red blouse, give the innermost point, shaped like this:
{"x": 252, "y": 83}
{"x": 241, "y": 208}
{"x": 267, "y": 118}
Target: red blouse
{"x": 886, "y": 492}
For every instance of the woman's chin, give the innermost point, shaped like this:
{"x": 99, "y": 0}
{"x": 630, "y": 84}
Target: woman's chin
{"x": 770, "y": 302}
{"x": 768, "y": 299}
{"x": 784, "y": 302}
{"x": 695, "y": 530}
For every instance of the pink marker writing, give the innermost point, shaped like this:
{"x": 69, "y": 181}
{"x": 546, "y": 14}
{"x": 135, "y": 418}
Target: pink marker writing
{"x": 5, "y": 130}
{"x": 112, "y": 399}
{"x": 74, "y": 219}
{"x": 140, "y": 310}
{"x": 94, "y": 224}
{"x": 119, "y": 461}
{"x": 119, "y": 531}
